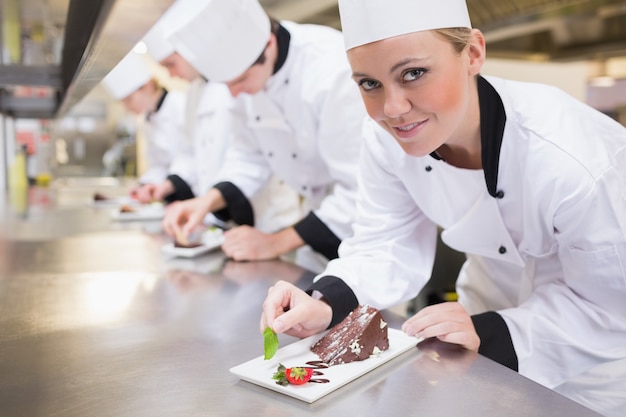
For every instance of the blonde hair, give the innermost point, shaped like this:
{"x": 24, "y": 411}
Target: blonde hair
{"x": 458, "y": 37}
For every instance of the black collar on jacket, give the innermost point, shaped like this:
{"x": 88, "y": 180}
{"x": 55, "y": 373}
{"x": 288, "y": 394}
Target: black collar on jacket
{"x": 283, "y": 38}
{"x": 492, "y": 122}
{"x": 158, "y": 105}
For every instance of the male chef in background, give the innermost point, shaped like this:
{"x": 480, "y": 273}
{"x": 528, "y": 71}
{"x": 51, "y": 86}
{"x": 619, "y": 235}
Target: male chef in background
{"x": 208, "y": 125}
{"x": 167, "y": 152}
{"x": 298, "y": 116}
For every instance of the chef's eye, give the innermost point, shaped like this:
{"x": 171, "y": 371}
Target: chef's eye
{"x": 368, "y": 85}
{"x": 413, "y": 74}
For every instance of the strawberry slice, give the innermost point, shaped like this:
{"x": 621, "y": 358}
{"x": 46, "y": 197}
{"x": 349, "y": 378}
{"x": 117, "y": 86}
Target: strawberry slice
{"x": 295, "y": 376}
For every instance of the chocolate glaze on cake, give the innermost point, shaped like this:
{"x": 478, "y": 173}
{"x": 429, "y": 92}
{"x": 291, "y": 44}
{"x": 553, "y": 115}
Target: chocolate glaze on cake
{"x": 125, "y": 208}
{"x": 363, "y": 333}
{"x": 178, "y": 244}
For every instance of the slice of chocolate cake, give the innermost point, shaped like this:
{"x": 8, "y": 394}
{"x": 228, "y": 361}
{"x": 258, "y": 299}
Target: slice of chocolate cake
{"x": 100, "y": 197}
{"x": 363, "y": 333}
{"x": 125, "y": 208}
{"x": 187, "y": 245}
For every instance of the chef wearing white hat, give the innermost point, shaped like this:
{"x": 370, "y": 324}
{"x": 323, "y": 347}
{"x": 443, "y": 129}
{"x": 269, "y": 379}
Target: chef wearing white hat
{"x": 128, "y": 76}
{"x": 298, "y": 117}
{"x": 527, "y": 181}
{"x": 208, "y": 124}
{"x": 163, "y": 52}
{"x": 131, "y": 81}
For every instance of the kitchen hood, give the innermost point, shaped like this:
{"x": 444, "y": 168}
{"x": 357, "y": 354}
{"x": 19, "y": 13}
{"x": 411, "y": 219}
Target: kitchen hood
{"x": 96, "y": 34}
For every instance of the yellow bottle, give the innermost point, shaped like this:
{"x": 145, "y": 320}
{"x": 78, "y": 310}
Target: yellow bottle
{"x": 17, "y": 173}
{"x": 18, "y": 183}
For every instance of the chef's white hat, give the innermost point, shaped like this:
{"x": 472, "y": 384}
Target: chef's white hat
{"x": 220, "y": 38}
{"x": 131, "y": 73}
{"x": 156, "y": 40}
{"x": 157, "y": 44}
{"x": 366, "y": 21}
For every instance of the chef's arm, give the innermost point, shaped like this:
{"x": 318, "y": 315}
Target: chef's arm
{"x": 236, "y": 207}
{"x": 310, "y": 230}
{"x": 182, "y": 190}
{"x": 315, "y": 233}
{"x": 337, "y": 294}
{"x": 495, "y": 339}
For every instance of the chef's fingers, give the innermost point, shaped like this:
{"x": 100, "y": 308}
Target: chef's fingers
{"x": 294, "y": 331}
{"x": 194, "y": 216}
{"x": 448, "y": 322}
{"x": 144, "y": 194}
{"x": 163, "y": 190}
{"x": 170, "y": 221}
{"x": 433, "y": 314}
{"x": 305, "y": 319}
{"x": 287, "y": 309}
{"x": 160, "y": 193}
{"x": 464, "y": 336}
{"x": 278, "y": 301}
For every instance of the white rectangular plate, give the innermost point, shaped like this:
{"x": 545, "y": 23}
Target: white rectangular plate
{"x": 114, "y": 202}
{"x": 172, "y": 250}
{"x": 147, "y": 212}
{"x": 259, "y": 371}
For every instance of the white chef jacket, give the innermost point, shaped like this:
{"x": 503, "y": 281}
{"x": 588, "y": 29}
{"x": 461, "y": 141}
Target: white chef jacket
{"x": 276, "y": 205}
{"x": 304, "y": 127}
{"x": 548, "y": 253}
{"x": 167, "y": 149}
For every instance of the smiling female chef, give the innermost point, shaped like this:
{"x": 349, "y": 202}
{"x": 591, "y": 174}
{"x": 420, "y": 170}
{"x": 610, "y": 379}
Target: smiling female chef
{"x": 299, "y": 118}
{"x": 527, "y": 181}
{"x": 167, "y": 151}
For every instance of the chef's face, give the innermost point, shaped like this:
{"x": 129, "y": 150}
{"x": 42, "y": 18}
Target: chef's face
{"x": 418, "y": 88}
{"x": 179, "y": 67}
{"x": 254, "y": 78}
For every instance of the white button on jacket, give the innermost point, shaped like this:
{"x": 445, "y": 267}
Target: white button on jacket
{"x": 305, "y": 128}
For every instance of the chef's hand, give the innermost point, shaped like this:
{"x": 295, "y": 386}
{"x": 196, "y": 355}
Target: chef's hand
{"x": 448, "y": 322}
{"x": 245, "y": 243}
{"x": 132, "y": 193}
{"x": 181, "y": 217}
{"x": 145, "y": 193}
{"x": 163, "y": 190}
{"x": 287, "y": 309}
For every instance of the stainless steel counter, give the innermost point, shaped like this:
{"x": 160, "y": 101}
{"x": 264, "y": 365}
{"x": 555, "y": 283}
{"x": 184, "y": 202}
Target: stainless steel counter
{"x": 95, "y": 321}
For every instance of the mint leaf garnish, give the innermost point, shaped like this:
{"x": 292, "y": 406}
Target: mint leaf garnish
{"x": 270, "y": 343}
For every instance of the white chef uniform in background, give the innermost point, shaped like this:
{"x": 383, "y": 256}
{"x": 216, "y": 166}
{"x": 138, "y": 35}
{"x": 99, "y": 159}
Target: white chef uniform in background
{"x": 210, "y": 131}
{"x": 303, "y": 127}
{"x": 163, "y": 129}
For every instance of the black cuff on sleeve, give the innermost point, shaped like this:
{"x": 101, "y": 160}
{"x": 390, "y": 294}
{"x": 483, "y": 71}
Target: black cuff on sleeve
{"x": 495, "y": 339}
{"x": 238, "y": 207}
{"x": 182, "y": 190}
{"x": 338, "y": 295}
{"x": 318, "y": 236}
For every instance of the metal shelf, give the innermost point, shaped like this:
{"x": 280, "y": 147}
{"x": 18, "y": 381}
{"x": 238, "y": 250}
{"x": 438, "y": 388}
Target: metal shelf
{"x": 98, "y": 33}
{"x": 94, "y": 46}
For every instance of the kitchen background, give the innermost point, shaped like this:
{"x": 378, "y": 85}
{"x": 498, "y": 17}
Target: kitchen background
{"x": 53, "y": 53}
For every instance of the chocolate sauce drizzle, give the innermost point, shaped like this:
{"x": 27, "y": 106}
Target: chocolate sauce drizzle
{"x": 318, "y": 365}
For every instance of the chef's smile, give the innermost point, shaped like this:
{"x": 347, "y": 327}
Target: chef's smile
{"x": 409, "y": 130}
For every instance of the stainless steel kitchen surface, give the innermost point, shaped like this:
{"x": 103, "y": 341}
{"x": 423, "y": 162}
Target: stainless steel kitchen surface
{"x": 95, "y": 321}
